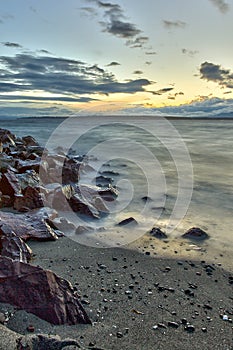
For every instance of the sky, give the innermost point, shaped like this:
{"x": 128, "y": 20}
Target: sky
{"x": 153, "y": 57}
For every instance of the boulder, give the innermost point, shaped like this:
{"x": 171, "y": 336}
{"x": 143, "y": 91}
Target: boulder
{"x": 12, "y": 246}
{"x": 31, "y": 198}
{"x": 9, "y": 184}
{"x": 195, "y": 233}
{"x": 40, "y": 292}
{"x": 23, "y": 165}
{"x": 29, "y": 226}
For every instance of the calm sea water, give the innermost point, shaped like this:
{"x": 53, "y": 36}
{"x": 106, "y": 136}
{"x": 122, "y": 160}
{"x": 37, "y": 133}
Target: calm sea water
{"x": 184, "y": 168}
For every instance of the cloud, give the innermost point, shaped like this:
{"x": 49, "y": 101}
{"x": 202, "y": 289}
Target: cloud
{"x": 214, "y": 72}
{"x": 137, "y": 72}
{"x": 115, "y": 23}
{"x": 113, "y": 64}
{"x": 190, "y": 53}
{"x": 151, "y": 53}
{"x": 173, "y": 24}
{"x": 25, "y": 73}
{"x": 44, "y": 98}
{"x": 5, "y": 17}
{"x": 45, "y": 52}
{"x": 10, "y": 44}
{"x": 204, "y": 108}
{"x": 222, "y": 5}
{"x": 162, "y": 91}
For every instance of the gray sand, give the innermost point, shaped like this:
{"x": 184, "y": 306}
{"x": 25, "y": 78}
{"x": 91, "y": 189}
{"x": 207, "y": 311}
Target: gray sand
{"x": 131, "y": 298}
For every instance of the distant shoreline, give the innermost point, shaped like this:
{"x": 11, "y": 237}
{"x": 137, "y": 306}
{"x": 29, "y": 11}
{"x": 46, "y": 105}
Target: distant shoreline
{"x": 118, "y": 116}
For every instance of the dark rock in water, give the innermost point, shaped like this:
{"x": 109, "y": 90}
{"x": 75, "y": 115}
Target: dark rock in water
{"x": 12, "y": 246}
{"x": 104, "y": 180}
{"x": 29, "y": 226}
{"x": 29, "y": 141}
{"x": 146, "y": 199}
{"x": 109, "y": 173}
{"x": 128, "y": 221}
{"x": 195, "y": 233}
{"x": 82, "y": 206}
{"x": 109, "y": 193}
{"x": 9, "y": 184}
{"x": 40, "y": 292}
{"x": 83, "y": 229}
{"x": 156, "y": 232}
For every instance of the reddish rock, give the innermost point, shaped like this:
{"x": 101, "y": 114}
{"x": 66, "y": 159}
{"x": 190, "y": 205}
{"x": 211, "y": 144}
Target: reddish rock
{"x": 9, "y": 184}
{"x": 12, "y": 246}
{"x": 40, "y": 292}
{"x": 31, "y": 198}
{"x": 29, "y": 226}
{"x": 5, "y": 201}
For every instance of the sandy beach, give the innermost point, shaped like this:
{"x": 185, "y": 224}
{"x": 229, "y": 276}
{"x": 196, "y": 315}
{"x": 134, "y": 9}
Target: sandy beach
{"x": 136, "y": 301}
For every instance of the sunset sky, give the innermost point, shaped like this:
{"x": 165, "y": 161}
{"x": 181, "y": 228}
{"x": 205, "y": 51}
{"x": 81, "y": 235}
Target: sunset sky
{"x": 170, "y": 57}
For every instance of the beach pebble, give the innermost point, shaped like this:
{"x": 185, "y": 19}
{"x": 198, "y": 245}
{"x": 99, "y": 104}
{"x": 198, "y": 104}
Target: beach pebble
{"x": 173, "y": 324}
{"x": 190, "y": 328}
{"x": 2, "y": 318}
{"x": 119, "y": 335}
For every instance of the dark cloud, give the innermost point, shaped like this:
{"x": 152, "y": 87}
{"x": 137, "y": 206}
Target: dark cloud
{"x": 45, "y": 52}
{"x": 214, "y": 72}
{"x": 13, "y": 45}
{"x": 222, "y": 5}
{"x": 190, "y": 53}
{"x": 113, "y": 63}
{"x": 89, "y": 11}
{"x": 151, "y": 53}
{"x": 121, "y": 29}
{"x": 114, "y": 22}
{"x": 162, "y": 91}
{"x": 5, "y": 17}
{"x": 44, "y": 99}
{"x": 140, "y": 41}
{"x": 66, "y": 77}
{"x": 148, "y": 63}
{"x": 137, "y": 72}
{"x": 173, "y": 24}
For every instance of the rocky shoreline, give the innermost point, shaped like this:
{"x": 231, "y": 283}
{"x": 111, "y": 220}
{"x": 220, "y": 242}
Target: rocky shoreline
{"x": 117, "y": 297}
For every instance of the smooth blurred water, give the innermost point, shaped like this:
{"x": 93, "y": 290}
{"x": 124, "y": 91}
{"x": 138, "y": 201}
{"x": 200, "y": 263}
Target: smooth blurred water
{"x": 145, "y": 159}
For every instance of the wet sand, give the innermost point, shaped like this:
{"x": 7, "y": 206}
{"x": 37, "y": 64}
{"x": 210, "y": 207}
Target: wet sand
{"x": 137, "y": 300}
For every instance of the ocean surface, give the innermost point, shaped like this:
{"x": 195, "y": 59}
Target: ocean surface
{"x": 174, "y": 174}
